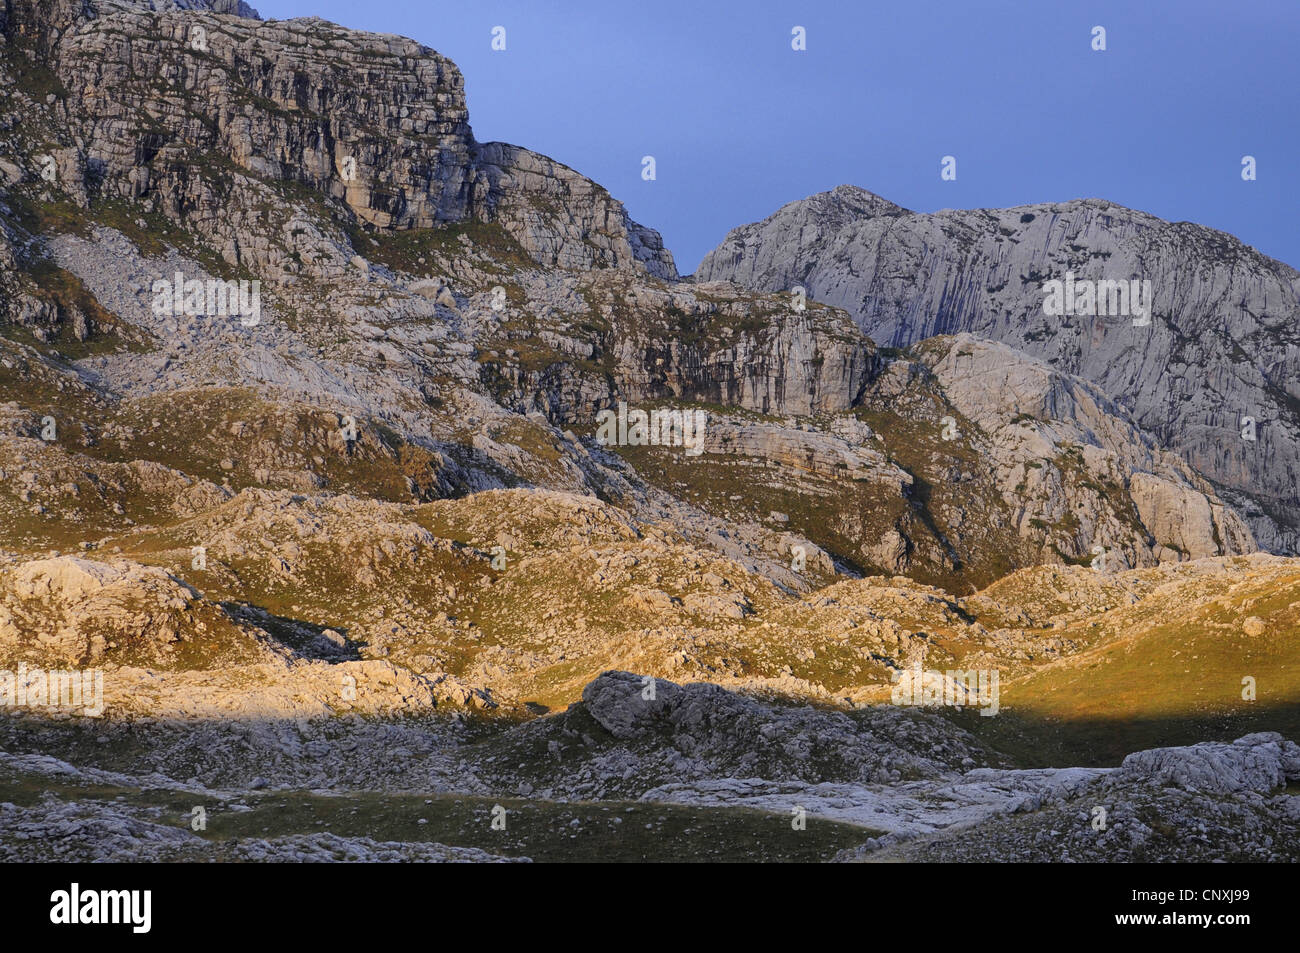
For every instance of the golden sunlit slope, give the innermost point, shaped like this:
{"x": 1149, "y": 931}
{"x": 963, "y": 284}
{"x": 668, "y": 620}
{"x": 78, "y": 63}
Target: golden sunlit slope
{"x": 1207, "y": 649}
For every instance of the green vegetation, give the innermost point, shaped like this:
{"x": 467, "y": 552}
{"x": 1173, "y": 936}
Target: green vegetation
{"x": 402, "y": 249}
{"x": 1160, "y": 679}
{"x": 545, "y": 831}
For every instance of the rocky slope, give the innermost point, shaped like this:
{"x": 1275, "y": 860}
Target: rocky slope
{"x": 883, "y": 784}
{"x": 1222, "y": 343}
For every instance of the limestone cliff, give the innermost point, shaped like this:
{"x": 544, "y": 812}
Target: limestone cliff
{"x": 1223, "y": 341}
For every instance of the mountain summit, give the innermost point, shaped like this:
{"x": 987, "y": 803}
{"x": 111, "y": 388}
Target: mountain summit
{"x": 1222, "y": 346}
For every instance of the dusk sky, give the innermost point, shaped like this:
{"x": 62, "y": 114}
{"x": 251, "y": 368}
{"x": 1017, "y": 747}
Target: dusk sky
{"x": 739, "y": 123}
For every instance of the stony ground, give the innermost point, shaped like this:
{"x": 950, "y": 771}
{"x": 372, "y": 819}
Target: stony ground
{"x": 695, "y": 773}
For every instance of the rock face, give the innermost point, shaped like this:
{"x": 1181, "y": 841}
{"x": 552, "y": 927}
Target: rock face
{"x": 1071, "y": 468}
{"x": 711, "y": 344}
{"x": 1049, "y": 430}
{"x": 1223, "y": 343}
{"x": 241, "y": 108}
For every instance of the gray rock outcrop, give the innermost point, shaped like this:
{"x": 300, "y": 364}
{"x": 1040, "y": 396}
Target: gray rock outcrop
{"x": 1223, "y": 341}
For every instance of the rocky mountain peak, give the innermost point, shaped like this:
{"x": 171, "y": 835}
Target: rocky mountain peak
{"x": 1218, "y": 355}
{"x": 849, "y": 200}
{"x": 377, "y": 124}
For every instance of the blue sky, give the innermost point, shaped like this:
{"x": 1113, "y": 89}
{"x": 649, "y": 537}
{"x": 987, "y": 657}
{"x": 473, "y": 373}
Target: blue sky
{"x": 740, "y": 124}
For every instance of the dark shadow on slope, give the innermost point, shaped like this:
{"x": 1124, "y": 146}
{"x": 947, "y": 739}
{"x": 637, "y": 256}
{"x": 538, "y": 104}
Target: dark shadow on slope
{"x": 305, "y": 640}
{"x": 1035, "y": 741}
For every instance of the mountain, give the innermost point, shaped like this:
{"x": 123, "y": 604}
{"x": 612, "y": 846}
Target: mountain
{"x": 1223, "y": 341}
{"x": 301, "y": 450}
{"x": 417, "y": 278}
